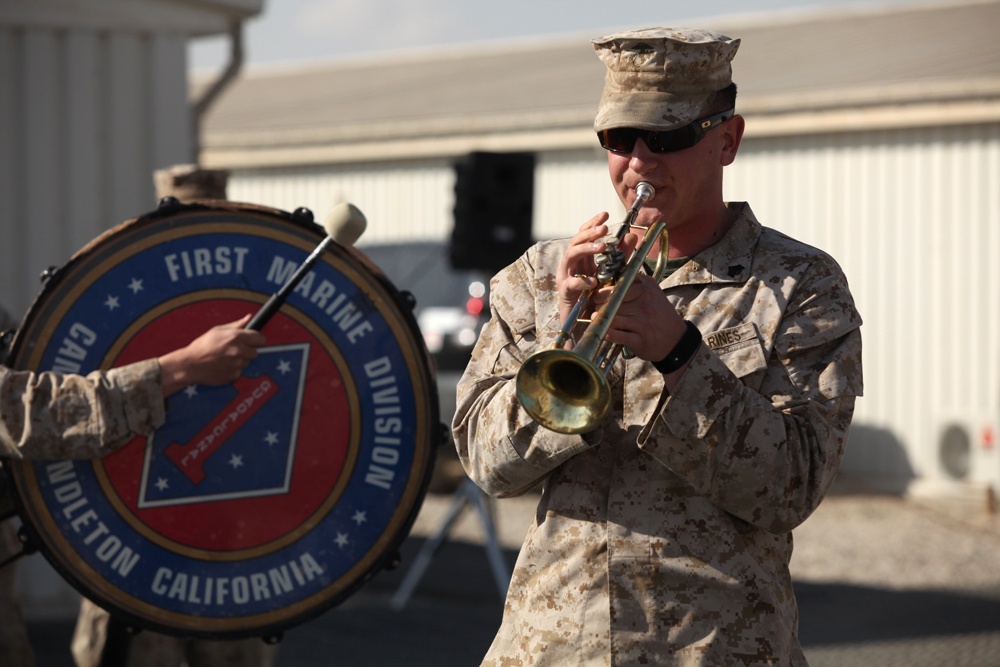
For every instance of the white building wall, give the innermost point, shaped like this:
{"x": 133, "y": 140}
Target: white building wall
{"x": 86, "y": 116}
{"x": 414, "y": 200}
{"x": 410, "y": 200}
{"x": 912, "y": 215}
{"x": 570, "y": 188}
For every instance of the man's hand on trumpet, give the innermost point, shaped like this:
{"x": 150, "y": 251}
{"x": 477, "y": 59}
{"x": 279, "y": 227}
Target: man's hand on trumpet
{"x": 578, "y": 268}
{"x": 646, "y": 322}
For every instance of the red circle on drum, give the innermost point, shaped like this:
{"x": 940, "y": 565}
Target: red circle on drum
{"x": 219, "y": 509}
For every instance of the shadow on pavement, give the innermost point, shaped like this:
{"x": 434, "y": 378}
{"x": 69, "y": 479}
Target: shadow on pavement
{"x": 455, "y": 610}
{"x": 450, "y": 619}
{"x": 842, "y": 614}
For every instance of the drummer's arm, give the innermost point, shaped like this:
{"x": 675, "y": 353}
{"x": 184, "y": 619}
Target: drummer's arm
{"x": 54, "y": 416}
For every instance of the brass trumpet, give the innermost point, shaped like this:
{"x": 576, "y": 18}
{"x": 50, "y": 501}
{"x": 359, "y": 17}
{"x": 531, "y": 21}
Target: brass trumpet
{"x": 567, "y": 390}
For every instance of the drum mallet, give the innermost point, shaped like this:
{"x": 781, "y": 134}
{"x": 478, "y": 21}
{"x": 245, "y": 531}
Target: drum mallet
{"x": 345, "y": 225}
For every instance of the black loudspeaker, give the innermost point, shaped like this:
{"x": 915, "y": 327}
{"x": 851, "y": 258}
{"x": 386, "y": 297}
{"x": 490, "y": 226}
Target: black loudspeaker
{"x": 494, "y": 196}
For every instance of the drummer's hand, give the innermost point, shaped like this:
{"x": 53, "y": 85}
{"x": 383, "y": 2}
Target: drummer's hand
{"x": 216, "y": 357}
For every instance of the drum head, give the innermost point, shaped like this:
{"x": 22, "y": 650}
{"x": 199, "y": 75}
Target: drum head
{"x": 259, "y": 504}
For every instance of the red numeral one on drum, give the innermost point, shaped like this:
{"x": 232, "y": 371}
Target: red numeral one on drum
{"x": 252, "y": 394}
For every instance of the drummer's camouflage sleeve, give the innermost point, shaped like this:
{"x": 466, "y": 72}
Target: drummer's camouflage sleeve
{"x": 53, "y": 416}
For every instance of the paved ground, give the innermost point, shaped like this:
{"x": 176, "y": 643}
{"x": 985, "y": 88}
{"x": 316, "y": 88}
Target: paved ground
{"x": 881, "y": 582}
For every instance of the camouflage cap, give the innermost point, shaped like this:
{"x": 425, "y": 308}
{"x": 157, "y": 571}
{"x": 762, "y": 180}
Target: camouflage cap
{"x": 188, "y": 182}
{"x": 661, "y": 78}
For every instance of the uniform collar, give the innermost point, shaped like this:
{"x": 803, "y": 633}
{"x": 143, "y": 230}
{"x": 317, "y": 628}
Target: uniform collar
{"x": 729, "y": 260}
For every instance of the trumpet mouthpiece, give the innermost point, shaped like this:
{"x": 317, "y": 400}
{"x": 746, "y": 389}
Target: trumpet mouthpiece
{"x": 644, "y": 191}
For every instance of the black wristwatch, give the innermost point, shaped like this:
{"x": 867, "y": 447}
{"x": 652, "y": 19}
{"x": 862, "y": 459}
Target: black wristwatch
{"x": 681, "y": 354}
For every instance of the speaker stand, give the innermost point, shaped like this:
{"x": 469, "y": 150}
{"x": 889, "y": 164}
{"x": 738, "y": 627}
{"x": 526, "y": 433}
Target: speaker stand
{"x": 467, "y": 494}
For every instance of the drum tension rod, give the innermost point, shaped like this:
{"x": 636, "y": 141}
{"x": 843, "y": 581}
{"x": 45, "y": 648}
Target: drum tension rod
{"x": 28, "y": 547}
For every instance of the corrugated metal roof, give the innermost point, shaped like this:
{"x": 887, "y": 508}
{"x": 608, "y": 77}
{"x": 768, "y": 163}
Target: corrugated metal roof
{"x": 799, "y": 70}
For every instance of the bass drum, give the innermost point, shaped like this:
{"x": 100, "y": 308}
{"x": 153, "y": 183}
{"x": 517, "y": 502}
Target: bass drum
{"x": 259, "y": 504}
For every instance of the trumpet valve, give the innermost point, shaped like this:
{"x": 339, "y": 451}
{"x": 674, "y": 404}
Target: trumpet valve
{"x": 610, "y": 262}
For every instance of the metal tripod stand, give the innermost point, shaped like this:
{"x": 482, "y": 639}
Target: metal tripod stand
{"x": 467, "y": 494}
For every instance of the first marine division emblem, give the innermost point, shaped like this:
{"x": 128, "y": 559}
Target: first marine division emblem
{"x": 260, "y": 503}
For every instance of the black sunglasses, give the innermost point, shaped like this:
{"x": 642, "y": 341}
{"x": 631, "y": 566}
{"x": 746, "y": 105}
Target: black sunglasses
{"x": 622, "y": 139}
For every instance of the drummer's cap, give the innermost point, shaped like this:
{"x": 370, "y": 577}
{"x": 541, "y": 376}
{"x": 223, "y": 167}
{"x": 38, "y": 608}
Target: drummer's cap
{"x": 661, "y": 78}
{"x": 188, "y": 182}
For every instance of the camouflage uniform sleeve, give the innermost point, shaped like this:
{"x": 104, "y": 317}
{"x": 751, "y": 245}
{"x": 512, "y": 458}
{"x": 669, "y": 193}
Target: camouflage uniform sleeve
{"x": 769, "y": 456}
{"x": 53, "y": 416}
{"x": 502, "y": 449}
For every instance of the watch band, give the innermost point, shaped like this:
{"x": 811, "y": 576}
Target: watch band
{"x": 683, "y": 351}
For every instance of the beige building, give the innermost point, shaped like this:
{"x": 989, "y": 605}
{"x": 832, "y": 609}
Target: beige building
{"x": 873, "y": 133}
{"x": 93, "y": 99}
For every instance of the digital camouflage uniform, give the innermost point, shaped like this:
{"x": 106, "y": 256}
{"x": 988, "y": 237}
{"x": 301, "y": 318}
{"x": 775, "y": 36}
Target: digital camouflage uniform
{"x": 664, "y": 536}
{"x": 53, "y": 416}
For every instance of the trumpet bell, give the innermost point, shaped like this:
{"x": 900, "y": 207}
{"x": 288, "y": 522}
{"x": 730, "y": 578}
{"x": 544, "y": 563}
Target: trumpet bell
{"x": 567, "y": 391}
{"x": 563, "y": 391}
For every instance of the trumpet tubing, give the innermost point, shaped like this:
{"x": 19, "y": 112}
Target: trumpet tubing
{"x": 567, "y": 391}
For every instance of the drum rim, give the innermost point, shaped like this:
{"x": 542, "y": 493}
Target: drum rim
{"x": 428, "y": 437}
